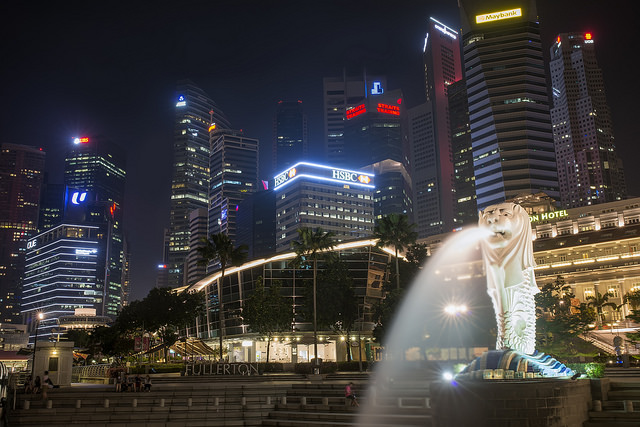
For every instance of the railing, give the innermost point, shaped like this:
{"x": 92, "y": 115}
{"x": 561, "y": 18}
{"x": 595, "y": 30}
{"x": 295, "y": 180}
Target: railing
{"x": 90, "y": 373}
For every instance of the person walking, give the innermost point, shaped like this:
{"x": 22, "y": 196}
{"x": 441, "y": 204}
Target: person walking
{"x": 351, "y": 395}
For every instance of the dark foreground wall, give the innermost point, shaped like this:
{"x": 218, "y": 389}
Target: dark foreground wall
{"x": 530, "y": 403}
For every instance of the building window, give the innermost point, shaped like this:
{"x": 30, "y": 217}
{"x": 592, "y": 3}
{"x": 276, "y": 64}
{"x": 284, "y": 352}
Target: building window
{"x": 588, "y": 292}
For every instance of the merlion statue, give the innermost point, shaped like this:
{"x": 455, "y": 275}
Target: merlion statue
{"x": 508, "y": 261}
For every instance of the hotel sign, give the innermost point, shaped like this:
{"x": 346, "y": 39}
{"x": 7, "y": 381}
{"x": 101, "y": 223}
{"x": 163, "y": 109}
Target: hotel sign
{"x": 323, "y": 173}
{"x": 498, "y": 16}
{"x": 548, "y": 215}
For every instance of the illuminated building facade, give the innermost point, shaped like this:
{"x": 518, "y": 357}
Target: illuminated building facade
{"x": 589, "y": 170}
{"x": 442, "y": 67}
{"x": 234, "y": 177}
{"x": 318, "y": 196}
{"x": 21, "y": 175}
{"x": 198, "y": 226}
{"x": 373, "y": 141}
{"x": 51, "y": 205}
{"x": 513, "y": 149}
{"x": 368, "y": 268}
{"x": 290, "y": 136}
{"x": 65, "y": 270}
{"x": 195, "y": 113}
{"x": 95, "y": 168}
{"x": 340, "y": 93}
{"x": 466, "y": 210}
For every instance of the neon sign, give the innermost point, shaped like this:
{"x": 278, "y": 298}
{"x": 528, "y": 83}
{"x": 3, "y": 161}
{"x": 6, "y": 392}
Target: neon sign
{"x": 182, "y": 102}
{"x": 86, "y": 251}
{"x": 498, "y": 16}
{"x": 389, "y": 109}
{"x": 323, "y": 173}
{"x": 548, "y": 215}
{"x": 355, "y": 111}
{"x": 78, "y": 197}
{"x": 377, "y": 89}
{"x": 444, "y": 29}
{"x": 82, "y": 140}
{"x": 32, "y": 244}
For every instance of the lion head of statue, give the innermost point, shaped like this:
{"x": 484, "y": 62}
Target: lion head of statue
{"x": 510, "y": 232}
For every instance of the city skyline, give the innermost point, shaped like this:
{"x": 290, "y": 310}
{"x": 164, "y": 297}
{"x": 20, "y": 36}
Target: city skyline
{"x": 76, "y": 72}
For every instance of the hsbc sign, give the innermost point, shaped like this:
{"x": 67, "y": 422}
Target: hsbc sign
{"x": 323, "y": 173}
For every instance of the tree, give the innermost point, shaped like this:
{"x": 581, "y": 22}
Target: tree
{"x": 599, "y": 302}
{"x": 560, "y": 319}
{"x": 337, "y": 304}
{"x": 308, "y": 248}
{"x": 163, "y": 311}
{"x": 219, "y": 247}
{"x": 267, "y": 312}
{"x": 395, "y": 230}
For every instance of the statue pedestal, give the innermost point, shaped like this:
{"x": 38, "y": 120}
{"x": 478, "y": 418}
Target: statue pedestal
{"x": 504, "y": 403}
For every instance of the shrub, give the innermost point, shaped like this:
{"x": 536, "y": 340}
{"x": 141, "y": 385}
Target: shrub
{"x": 270, "y": 367}
{"x": 352, "y": 366}
{"x": 592, "y": 370}
{"x": 306, "y": 368}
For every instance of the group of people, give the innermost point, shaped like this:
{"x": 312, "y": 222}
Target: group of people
{"x": 39, "y": 385}
{"x": 125, "y": 382}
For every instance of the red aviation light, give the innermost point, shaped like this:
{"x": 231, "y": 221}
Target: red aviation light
{"x": 389, "y": 109}
{"x": 588, "y": 36}
{"x": 356, "y": 111}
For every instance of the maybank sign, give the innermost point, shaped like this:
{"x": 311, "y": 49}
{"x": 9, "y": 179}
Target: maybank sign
{"x": 323, "y": 173}
{"x": 497, "y": 16}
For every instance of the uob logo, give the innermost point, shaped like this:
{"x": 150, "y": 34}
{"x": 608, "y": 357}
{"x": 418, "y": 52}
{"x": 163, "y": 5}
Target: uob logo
{"x": 78, "y": 197}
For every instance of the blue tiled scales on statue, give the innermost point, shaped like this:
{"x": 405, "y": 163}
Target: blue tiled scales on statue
{"x": 508, "y": 261}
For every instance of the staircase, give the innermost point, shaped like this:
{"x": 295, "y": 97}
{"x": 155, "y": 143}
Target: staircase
{"x": 206, "y": 404}
{"x": 616, "y": 411}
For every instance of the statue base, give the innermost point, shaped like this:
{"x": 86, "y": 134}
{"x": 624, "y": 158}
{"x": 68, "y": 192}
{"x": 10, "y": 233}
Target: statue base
{"x": 512, "y": 365}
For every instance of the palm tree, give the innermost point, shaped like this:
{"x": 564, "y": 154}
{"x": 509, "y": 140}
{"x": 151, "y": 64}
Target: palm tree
{"x": 395, "y": 230}
{"x": 219, "y": 247}
{"x": 598, "y": 302}
{"x": 308, "y": 249}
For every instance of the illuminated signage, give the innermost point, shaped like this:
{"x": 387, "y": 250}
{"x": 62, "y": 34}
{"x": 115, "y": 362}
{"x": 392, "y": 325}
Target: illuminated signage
{"x": 444, "y": 29}
{"x": 389, "y": 109}
{"x": 162, "y": 266}
{"x": 82, "y": 140}
{"x": 86, "y": 251}
{"x": 497, "y": 16}
{"x": 182, "y": 102}
{"x": 323, "y": 173}
{"x": 355, "y": 111}
{"x": 588, "y": 36}
{"x": 78, "y": 197}
{"x": 212, "y": 127}
{"x": 548, "y": 215}
{"x": 32, "y": 244}
{"x": 377, "y": 89}
{"x": 426, "y": 41}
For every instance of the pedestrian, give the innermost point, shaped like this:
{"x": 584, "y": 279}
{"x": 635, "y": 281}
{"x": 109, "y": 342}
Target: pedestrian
{"x": 147, "y": 383}
{"x": 37, "y": 385}
{"x": 118, "y": 383}
{"x": 28, "y": 385}
{"x": 351, "y": 395}
{"x": 138, "y": 382}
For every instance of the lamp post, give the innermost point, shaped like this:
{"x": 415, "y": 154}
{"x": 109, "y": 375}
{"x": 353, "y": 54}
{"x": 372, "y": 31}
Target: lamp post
{"x": 39, "y": 317}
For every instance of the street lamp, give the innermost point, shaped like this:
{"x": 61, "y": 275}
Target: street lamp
{"x": 39, "y": 317}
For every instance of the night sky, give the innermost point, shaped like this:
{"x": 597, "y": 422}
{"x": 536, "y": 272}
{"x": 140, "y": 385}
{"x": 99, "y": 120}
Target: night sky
{"x": 110, "y": 70}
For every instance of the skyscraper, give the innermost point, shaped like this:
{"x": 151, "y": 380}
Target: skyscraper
{"x": 513, "y": 150}
{"x": 589, "y": 170}
{"x": 433, "y": 171}
{"x": 21, "y": 175}
{"x": 339, "y": 94}
{"x": 95, "y": 167}
{"x": 195, "y": 114}
{"x": 466, "y": 211}
{"x": 234, "y": 177}
{"x": 290, "y": 137}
